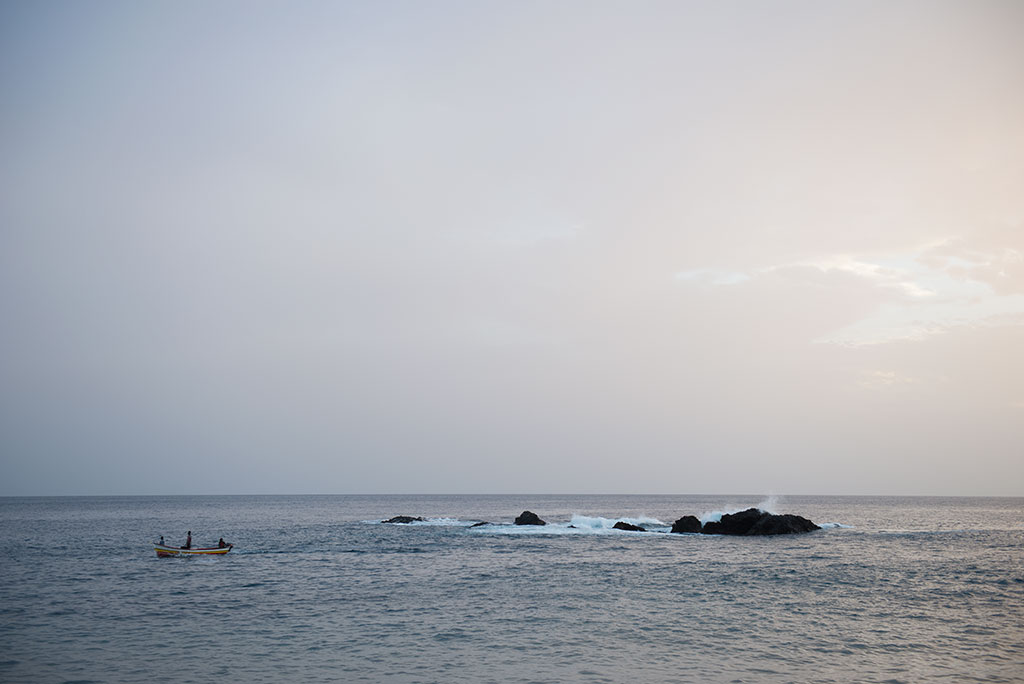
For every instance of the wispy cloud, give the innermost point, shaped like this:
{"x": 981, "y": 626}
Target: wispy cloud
{"x": 1000, "y": 266}
{"x": 924, "y": 291}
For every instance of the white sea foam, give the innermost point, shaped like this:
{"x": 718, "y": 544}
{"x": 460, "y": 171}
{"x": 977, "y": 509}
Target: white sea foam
{"x": 436, "y": 522}
{"x": 446, "y": 522}
{"x": 834, "y": 525}
{"x": 597, "y": 524}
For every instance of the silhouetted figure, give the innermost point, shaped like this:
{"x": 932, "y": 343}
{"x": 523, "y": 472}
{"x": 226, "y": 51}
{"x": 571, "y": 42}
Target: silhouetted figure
{"x": 161, "y": 540}
{"x": 221, "y": 544}
{"x": 188, "y": 541}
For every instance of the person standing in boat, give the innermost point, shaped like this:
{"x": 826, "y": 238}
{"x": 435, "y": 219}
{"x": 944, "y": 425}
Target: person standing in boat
{"x": 161, "y": 540}
{"x": 188, "y": 541}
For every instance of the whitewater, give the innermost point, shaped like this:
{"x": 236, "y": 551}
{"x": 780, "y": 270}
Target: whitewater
{"x": 317, "y": 589}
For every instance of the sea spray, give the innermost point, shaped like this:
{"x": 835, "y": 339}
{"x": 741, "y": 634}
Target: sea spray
{"x": 769, "y": 504}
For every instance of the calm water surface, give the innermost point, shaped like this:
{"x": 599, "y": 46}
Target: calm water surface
{"x": 317, "y": 590}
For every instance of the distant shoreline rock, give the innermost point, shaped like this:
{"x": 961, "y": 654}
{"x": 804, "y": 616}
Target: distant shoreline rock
{"x": 529, "y": 518}
{"x": 402, "y": 520}
{"x": 782, "y": 524}
{"x": 628, "y": 527}
{"x": 755, "y": 522}
{"x": 688, "y": 524}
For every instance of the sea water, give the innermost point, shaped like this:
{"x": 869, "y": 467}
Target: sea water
{"x": 317, "y": 589}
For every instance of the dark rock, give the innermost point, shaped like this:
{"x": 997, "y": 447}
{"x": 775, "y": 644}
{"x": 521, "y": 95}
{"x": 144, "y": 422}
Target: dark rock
{"x": 734, "y": 523}
{"x": 756, "y": 522}
{"x": 687, "y": 524}
{"x": 402, "y": 520}
{"x": 629, "y": 528}
{"x": 480, "y": 524}
{"x": 528, "y": 518}
{"x": 782, "y": 524}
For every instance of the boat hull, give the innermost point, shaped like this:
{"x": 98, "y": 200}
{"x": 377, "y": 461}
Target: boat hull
{"x": 169, "y": 551}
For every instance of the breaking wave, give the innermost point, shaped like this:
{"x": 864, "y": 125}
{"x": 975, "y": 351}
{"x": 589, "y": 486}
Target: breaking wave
{"x": 585, "y": 522}
{"x": 579, "y": 525}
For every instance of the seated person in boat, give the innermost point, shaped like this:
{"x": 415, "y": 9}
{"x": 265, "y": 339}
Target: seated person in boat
{"x": 221, "y": 544}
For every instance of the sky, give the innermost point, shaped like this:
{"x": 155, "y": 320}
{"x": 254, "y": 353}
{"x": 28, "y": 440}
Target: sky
{"x": 512, "y": 247}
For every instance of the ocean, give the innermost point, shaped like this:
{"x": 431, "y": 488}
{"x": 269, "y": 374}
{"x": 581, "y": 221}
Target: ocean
{"x": 316, "y": 589}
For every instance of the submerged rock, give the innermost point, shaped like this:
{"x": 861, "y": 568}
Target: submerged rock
{"x": 402, "y": 520}
{"x": 480, "y": 524}
{"x": 688, "y": 524}
{"x": 529, "y": 518}
{"x": 757, "y": 522}
{"x": 629, "y": 528}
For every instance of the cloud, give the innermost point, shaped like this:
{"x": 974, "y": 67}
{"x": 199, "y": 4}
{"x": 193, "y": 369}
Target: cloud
{"x": 920, "y": 292}
{"x": 1000, "y": 266}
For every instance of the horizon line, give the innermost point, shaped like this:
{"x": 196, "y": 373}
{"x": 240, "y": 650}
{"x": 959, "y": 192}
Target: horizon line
{"x": 512, "y": 494}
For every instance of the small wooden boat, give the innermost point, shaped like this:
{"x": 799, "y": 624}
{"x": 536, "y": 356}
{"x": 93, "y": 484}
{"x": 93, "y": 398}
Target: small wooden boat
{"x": 166, "y": 551}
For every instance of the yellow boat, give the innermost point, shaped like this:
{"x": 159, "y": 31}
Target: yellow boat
{"x": 167, "y": 551}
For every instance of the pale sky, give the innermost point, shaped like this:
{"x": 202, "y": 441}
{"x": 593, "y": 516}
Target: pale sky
{"x": 568, "y": 246}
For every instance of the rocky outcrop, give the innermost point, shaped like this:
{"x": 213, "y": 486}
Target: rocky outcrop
{"x": 402, "y": 520}
{"x": 688, "y": 524}
{"x": 757, "y": 522}
{"x": 782, "y": 524}
{"x": 734, "y": 523}
{"x": 529, "y": 518}
{"x": 751, "y": 522}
